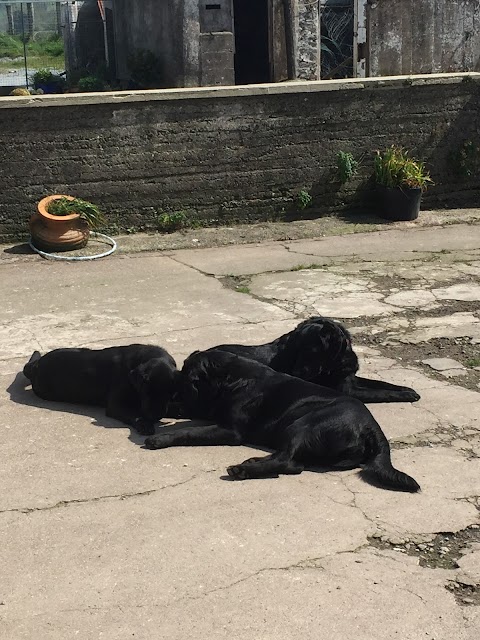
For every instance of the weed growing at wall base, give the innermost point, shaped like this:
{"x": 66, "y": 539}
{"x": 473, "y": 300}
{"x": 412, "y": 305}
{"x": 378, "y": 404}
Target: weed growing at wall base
{"x": 169, "y": 222}
{"x": 347, "y": 166}
{"x": 304, "y": 199}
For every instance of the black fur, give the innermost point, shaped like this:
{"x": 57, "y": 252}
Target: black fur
{"x": 134, "y": 383}
{"x": 320, "y": 350}
{"x": 302, "y": 422}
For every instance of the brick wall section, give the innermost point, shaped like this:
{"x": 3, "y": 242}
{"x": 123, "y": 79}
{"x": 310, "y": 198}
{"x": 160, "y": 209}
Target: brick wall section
{"x": 231, "y": 154}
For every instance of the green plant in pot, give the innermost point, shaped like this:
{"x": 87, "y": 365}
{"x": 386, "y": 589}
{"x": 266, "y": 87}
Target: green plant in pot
{"x": 48, "y": 81}
{"x": 89, "y": 212}
{"x": 400, "y": 181}
{"x": 63, "y": 223}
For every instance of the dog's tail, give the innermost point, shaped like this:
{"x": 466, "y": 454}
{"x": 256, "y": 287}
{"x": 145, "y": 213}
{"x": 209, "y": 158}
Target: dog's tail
{"x": 30, "y": 367}
{"x": 381, "y": 468}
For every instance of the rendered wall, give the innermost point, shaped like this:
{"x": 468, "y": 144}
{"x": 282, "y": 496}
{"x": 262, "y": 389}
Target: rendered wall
{"x": 229, "y": 154}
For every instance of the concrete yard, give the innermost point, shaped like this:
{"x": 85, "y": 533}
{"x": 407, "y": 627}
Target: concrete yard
{"x": 104, "y": 539}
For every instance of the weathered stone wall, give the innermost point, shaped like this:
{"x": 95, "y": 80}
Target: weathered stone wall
{"x": 423, "y": 36}
{"x": 229, "y": 154}
{"x": 308, "y": 40}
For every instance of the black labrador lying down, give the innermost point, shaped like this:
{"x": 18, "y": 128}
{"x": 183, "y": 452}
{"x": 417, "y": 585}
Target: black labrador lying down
{"x": 302, "y": 422}
{"x": 134, "y": 383}
{"x": 320, "y": 350}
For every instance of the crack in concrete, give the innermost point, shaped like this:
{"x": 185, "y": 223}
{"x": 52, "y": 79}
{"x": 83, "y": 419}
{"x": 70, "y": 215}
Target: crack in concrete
{"x": 120, "y": 496}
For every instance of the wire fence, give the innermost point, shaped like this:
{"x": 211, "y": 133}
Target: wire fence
{"x": 337, "y": 27}
{"x": 31, "y": 40}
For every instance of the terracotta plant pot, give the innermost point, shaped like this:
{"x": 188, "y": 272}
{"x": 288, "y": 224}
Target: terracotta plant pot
{"x": 57, "y": 233}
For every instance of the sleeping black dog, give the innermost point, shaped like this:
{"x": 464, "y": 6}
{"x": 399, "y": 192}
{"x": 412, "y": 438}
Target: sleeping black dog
{"x": 302, "y": 422}
{"x": 320, "y": 350}
{"x": 134, "y": 383}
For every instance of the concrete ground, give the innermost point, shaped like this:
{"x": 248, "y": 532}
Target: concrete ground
{"x": 104, "y": 539}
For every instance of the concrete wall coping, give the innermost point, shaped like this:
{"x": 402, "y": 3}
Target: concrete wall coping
{"x": 154, "y": 95}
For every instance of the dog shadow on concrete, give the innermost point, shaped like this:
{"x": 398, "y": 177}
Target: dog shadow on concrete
{"x": 21, "y": 392}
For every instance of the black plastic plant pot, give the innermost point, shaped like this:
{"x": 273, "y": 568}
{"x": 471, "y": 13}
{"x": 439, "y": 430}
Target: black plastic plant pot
{"x": 399, "y": 203}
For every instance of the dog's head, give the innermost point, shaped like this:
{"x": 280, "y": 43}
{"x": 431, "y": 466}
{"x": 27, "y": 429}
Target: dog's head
{"x": 208, "y": 378}
{"x": 320, "y": 350}
{"x": 156, "y": 381}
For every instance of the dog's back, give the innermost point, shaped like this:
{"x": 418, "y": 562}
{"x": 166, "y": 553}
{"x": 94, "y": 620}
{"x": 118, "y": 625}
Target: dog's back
{"x": 82, "y": 375}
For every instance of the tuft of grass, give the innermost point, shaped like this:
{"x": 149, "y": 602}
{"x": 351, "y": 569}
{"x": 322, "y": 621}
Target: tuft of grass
{"x": 473, "y": 362}
{"x": 395, "y": 168}
{"x": 243, "y": 289}
{"x": 302, "y": 267}
{"x": 88, "y": 211}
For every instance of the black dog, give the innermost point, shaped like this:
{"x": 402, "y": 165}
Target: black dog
{"x": 303, "y": 422}
{"x": 320, "y": 350}
{"x": 134, "y": 383}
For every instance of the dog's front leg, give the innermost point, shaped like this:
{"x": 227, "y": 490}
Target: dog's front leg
{"x": 368, "y": 390}
{"x": 207, "y": 435}
{"x": 122, "y": 406}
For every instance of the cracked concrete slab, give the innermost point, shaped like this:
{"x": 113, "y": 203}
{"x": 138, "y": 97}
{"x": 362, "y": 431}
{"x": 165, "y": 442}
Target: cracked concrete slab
{"x": 242, "y": 260}
{"x": 445, "y": 476}
{"x": 101, "y": 538}
{"x": 393, "y": 245}
{"x": 319, "y": 291}
{"x": 443, "y": 364}
{"x": 87, "y": 302}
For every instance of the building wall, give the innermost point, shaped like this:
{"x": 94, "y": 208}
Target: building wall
{"x": 230, "y": 154}
{"x": 423, "y": 36}
{"x": 154, "y": 26}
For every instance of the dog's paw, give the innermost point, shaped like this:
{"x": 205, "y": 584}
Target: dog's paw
{"x": 156, "y": 442}
{"x": 144, "y": 427}
{"x": 237, "y": 472}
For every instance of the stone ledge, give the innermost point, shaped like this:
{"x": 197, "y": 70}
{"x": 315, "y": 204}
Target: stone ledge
{"x": 158, "y": 95}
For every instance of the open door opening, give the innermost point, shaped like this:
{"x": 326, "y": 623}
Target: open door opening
{"x": 252, "y": 63}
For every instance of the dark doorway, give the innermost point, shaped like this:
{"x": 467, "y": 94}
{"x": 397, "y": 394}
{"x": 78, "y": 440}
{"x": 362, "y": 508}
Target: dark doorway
{"x": 252, "y": 64}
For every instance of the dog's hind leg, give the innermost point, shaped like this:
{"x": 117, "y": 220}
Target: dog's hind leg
{"x": 376, "y": 391}
{"x": 207, "y": 435}
{"x": 268, "y": 467}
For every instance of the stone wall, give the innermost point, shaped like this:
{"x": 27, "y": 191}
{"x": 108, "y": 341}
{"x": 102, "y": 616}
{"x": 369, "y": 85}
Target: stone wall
{"x": 235, "y": 154}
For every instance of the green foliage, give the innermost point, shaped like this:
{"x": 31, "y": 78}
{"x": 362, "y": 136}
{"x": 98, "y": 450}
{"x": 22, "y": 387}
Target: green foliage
{"x": 86, "y": 210}
{"x": 170, "y": 222}
{"x": 473, "y": 362}
{"x": 52, "y": 46}
{"x": 466, "y": 159}
{"x": 10, "y": 46}
{"x": 41, "y": 52}
{"x": 242, "y": 289}
{"x": 347, "y": 166}
{"x": 46, "y": 77}
{"x": 146, "y": 69}
{"x": 91, "y": 83}
{"x": 304, "y": 199}
{"x": 394, "y": 168}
